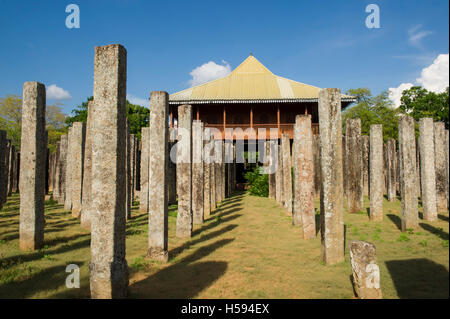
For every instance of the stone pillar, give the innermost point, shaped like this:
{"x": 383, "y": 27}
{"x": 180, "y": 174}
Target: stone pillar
{"x": 108, "y": 267}
{"x": 77, "y": 151}
{"x": 184, "y": 171}
{"x": 145, "y": 157}
{"x": 158, "y": 177}
{"x": 418, "y": 175}
{"x": 331, "y": 192}
{"x": 3, "y": 177}
{"x": 376, "y": 172}
{"x": 344, "y": 166}
{"x": 12, "y": 162}
{"x": 303, "y": 177}
{"x": 365, "y": 146}
{"x": 218, "y": 149}
{"x": 85, "y": 219}
{"x": 172, "y": 169}
{"x": 32, "y": 167}
{"x": 207, "y": 173}
{"x": 272, "y": 178}
{"x": 447, "y": 164}
{"x": 197, "y": 172}
{"x": 16, "y": 172}
{"x": 129, "y": 197}
{"x": 316, "y": 159}
{"x": 69, "y": 170}
{"x": 223, "y": 171}
{"x": 391, "y": 170}
{"x": 279, "y": 178}
{"x": 441, "y": 167}
{"x": 427, "y": 170}
{"x": 408, "y": 178}
{"x": 213, "y": 182}
{"x": 366, "y": 273}
{"x": 56, "y": 192}
{"x": 287, "y": 175}
{"x": 132, "y": 166}
{"x": 354, "y": 166}
{"x": 62, "y": 169}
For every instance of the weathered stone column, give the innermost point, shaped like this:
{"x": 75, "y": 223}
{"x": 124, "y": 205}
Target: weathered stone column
{"x": 85, "y": 219}
{"x": 12, "y": 163}
{"x": 128, "y": 171}
{"x": 331, "y": 192}
{"x": 376, "y": 172}
{"x": 303, "y": 177}
{"x": 447, "y": 164}
{"x": 132, "y": 166}
{"x": 440, "y": 165}
{"x": 344, "y": 166}
{"x": 391, "y": 170}
{"x": 287, "y": 175}
{"x": 408, "y": 178}
{"x": 69, "y": 170}
{"x": 207, "y": 172}
{"x": 365, "y": 149}
{"x": 158, "y": 177}
{"x": 279, "y": 178}
{"x": 316, "y": 159}
{"x": 3, "y": 177}
{"x": 354, "y": 166}
{"x": 61, "y": 169}
{"x": 223, "y": 171}
{"x": 197, "y": 172}
{"x": 427, "y": 170}
{"x": 172, "y": 169}
{"x": 418, "y": 165}
{"x": 32, "y": 167}
{"x": 79, "y": 133}
{"x": 366, "y": 273}
{"x": 145, "y": 157}
{"x": 108, "y": 267}
{"x": 272, "y": 178}
{"x": 218, "y": 149}
{"x": 184, "y": 171}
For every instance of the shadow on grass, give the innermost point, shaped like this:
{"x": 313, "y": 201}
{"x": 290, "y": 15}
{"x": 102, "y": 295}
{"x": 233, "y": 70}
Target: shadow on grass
{"x": 46, "y": 280}
{"x": 396, "y": 220}
{"x": 217, "y": 222}
{"x": 419, "y": 278}
{"x": 443, "y": 217}
{"x": 185, "y": 279}
{"x": 436, "y": 231}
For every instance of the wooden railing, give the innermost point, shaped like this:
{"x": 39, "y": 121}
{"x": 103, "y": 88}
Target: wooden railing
{"x": 243, "y": 131}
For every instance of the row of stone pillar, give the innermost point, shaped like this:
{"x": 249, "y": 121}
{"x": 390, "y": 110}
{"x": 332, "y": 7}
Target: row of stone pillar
{"x": 9, "y": 168}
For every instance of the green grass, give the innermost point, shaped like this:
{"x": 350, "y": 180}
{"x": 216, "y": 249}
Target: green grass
{"x": 247, "y": 248}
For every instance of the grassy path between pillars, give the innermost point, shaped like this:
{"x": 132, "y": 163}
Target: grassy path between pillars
{"x": 247, "y": 248}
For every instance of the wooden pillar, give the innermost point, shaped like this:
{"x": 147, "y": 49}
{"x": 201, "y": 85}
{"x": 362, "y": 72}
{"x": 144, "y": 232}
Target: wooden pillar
{"x": 171, "y": 117}
{"x": 251, "y": 116}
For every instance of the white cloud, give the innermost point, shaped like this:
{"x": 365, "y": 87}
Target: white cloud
{"x": 57, "y": 93}
{"x": 416, "y": 34}
{"x": 396, "y": 93}
{"x": 433, "y": 78}
{"x": 137, "y": 100}
{"x": 209, "y": 71}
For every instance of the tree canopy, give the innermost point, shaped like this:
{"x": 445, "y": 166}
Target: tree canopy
{"x": 419, "y": 102}
{"x": 373, "y": 110}
{"x": 138, "y": 116}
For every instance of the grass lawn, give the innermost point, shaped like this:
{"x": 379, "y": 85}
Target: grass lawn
{"x": 248, "y": 248}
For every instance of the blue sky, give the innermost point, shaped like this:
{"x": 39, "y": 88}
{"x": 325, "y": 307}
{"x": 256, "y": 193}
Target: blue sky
{"x": 322, "y": 43}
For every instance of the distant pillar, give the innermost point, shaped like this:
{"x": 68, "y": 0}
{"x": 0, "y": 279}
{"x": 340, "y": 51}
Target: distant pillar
{"x": 172, "y": 170}
{"x": 12, "y": 169}
{"x": 85, "y": 219}
{"x": 69, "y": 170}
{"x": 218, "y": 149}
{"x": 354, "y": 166}
{"x": 303, "y": 177}
{"x": 316, "y": 158}
{"x": 145, "y": 157}
{"x": 129, "y": 197}
{"x": 279, "y": 177}
{"x": 408, "y": 178}
{"x": 207, "y": 172}
{"x": 108, "y": 266}
{"x": 365, "y": 146}
{"x": 331, "y": 193}
{"x": 3, "y": 176}
{"x": 287, "y": 177}
{"x": 441, "y": 167}
{"x": 272, "y": 178}
{"x": 197, "y": 172}
{"x": 391, "y": 170}
{"x": 376, "y": 172}
{"x": 158, "y": 177}
{"x": 184, "y": 171}
{"x": 77, "y": 151}
{"x": 32, "y": 167}
{"x": 61, "y": 170}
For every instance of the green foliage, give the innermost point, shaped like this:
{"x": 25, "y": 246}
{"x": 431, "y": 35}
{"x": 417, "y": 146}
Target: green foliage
{"x": 11, "y": 121}
{"x": 138, "y": 116}
{"x": 419, "y": 102}
{"x": 373, "y": 110}
{"x": 258, "y": 184}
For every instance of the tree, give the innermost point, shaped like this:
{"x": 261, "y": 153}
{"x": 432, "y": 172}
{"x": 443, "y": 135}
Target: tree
{"x": 419, "y": 102}
{"x": 373, "y": 110}
{"x": 11, "y": 121}
{"x": 138, "y": 116}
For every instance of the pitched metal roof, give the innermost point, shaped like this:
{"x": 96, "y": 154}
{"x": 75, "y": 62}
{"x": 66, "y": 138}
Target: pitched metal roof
{"x": 250, "y": 82}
